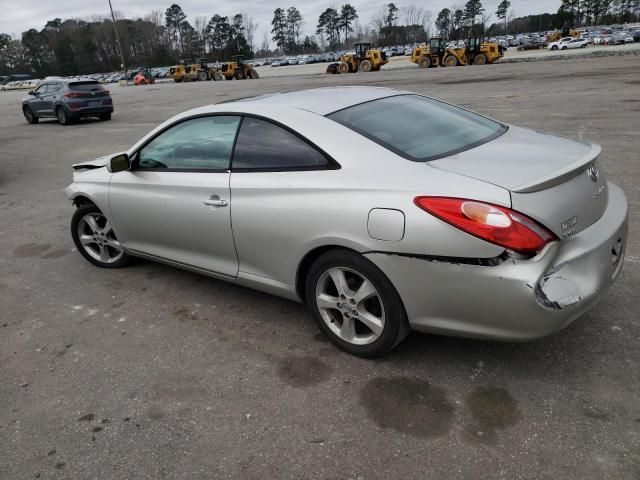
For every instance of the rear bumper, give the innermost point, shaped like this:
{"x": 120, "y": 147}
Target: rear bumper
{"x": 88, "y": 111}
{"x": 516, "y": 299}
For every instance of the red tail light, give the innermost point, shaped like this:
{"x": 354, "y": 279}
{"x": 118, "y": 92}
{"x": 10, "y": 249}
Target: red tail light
{"x": 74, "y": 94}
{"x": 498, "y": 225}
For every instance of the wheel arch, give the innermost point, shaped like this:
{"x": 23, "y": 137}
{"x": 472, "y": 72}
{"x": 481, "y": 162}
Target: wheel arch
{"x": 80, "y": 199}
{"x": 307, "y": 261}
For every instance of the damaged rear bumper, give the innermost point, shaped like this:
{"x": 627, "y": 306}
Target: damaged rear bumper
{"x": 513, "y": 299}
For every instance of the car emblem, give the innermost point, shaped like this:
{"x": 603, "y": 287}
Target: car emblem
{"x": 593, "y": 173}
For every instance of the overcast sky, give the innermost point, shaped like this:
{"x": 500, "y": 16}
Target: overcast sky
{"x": 20, "y": 15}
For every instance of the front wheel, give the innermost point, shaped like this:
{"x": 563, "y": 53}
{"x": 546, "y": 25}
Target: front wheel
{"x": 95, "y": 240}
{"x": 480, "y": 60}
{"x": 253, "y": 74}
{"x": 29, "y": 115}
{"x": 354, "y": 304}
{"x": 555, "y": 47}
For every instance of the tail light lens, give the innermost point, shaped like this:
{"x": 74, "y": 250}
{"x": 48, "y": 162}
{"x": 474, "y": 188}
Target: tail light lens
{"x": 498, "y": 225}
{"x": 73, "y": 94}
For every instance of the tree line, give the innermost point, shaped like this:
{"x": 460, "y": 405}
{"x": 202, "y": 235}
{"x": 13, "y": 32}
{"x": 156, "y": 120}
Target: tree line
{"x": 473, "y": 19}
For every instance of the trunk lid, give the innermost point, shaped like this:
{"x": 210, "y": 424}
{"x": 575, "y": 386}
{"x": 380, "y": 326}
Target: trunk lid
{"x": 551, "y": 179}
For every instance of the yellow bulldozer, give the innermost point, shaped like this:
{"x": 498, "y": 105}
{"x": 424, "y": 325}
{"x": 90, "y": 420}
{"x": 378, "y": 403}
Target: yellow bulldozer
{"x": 475, "y": 52}
{"x": 364, "y": 58}
{"x": 237, "y": 69}
{"x": 192, "y": 71}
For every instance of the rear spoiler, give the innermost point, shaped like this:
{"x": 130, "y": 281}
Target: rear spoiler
{"x": 559, "y": 176}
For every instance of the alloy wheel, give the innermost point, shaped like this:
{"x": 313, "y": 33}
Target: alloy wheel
{"x": 97, "y": 238}
{"x": 350, "y": 305}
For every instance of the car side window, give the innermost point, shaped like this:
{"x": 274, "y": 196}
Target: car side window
{"x": 42, "y": 89}
{"x": 203, "y": 143}
{"x": 262, "y": 145}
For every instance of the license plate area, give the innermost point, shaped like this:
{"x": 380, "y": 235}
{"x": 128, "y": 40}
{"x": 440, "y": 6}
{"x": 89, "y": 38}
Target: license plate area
{"x": 97, "y": 103}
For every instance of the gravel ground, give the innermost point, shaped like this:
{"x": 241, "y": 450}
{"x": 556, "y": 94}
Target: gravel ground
{"x": 151, "y": 372}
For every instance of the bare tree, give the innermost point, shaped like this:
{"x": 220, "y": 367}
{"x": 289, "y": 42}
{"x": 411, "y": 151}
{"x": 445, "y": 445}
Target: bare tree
{"x": 250, "y": 27}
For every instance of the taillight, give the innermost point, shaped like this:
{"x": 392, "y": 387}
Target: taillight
{"x": 73, "y": 94}
{"x": 498, "y": 225}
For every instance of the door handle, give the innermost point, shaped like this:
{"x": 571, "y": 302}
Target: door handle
{"x": 216, "y": 202}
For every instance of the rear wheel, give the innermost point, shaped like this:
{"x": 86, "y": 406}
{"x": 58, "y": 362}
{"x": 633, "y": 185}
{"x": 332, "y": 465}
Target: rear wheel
{"x": 365, "y": 66}
{"x": 343, "y": 67}
{"x": 62, "y": 116}
{"x": 424, "y": 62}
{"x": 29, "y": 115}
{"x": 354, "y": 304}
{"x": 254, "y": 74}
{"x": 564, "y": 48}
{"x": 450, "y": 61}
{"x": 202, "y": 76}
{"x": 480, "y": 59}
{"x": 95, "y": 240}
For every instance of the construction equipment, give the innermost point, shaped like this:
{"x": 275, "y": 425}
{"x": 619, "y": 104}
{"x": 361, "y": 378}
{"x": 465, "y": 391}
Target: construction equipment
{"x": 364, "y": 58}
{"x": 237, "y": 69}
{"x": 144, "y": 77}
{"x": 430, "y": 55}
{"x": 191, "y": 71}
{"x": 566, "y": 31}
{"x": 475, "y": 52}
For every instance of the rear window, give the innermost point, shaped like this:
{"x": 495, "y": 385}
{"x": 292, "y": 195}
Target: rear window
{"x": 85, "y": 86}
{"x": 419, "y": 128}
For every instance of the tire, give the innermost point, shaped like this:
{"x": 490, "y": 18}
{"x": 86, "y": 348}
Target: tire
{"x": 424, "y": 62}
{"x": 583, "y": 46}
{"x": 29, "y": 115}
{"x": 62, "y": 116}
{"x": 95, "y": 241}
{"x": 178, "y": 80}
{"x": 555, "y": 47}
{"x": 480, "y": 59}
{"x": 202, "y": 76}
{"x": 564, "y": 48}
{"x": 143, "y": 82}
{"x": 343, "y": 67}
{"x": 254, "y": 74}
{"x": 450, "y": 61}
{"x": 105, "y": 116}
{"x": 365, "y": 66}
{"x": 340, "y": 318}
{"x": 217, "y": 76}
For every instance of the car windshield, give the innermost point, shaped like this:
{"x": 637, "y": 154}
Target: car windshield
{"x": 419, "y": 128}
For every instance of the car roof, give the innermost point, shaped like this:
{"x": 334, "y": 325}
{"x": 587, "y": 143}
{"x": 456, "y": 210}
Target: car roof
{"x": 322, "y": 101}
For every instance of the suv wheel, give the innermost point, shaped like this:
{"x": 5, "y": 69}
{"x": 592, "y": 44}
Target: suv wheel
{"x": 62, "y": 117}
{"x": 29, "y": 115}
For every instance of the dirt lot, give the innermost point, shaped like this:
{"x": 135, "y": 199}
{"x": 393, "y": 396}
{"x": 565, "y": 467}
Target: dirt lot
{"x": 152, "y": 372}
{"x": 512, "y": 55}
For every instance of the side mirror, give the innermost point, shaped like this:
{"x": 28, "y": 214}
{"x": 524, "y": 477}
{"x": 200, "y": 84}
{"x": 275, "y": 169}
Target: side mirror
{"x": 119, "y": 163}
{"x": 32, "y": 93}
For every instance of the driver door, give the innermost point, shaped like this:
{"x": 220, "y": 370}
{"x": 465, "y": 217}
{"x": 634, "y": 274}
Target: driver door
{"x": 174, "y": 203}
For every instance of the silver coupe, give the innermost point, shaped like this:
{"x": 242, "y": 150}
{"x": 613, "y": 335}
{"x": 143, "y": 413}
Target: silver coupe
{"x": 381, "y": 209}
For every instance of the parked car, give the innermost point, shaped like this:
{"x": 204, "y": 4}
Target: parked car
{"x": 574, "y": 43}
{"x": 331, "y": 204}
{"x": 67, "y": 100}
{"x": 558, "y": 44}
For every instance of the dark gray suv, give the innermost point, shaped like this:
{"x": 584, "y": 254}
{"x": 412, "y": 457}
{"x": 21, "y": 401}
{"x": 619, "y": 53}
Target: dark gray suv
{"x": 67, "y": 100}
